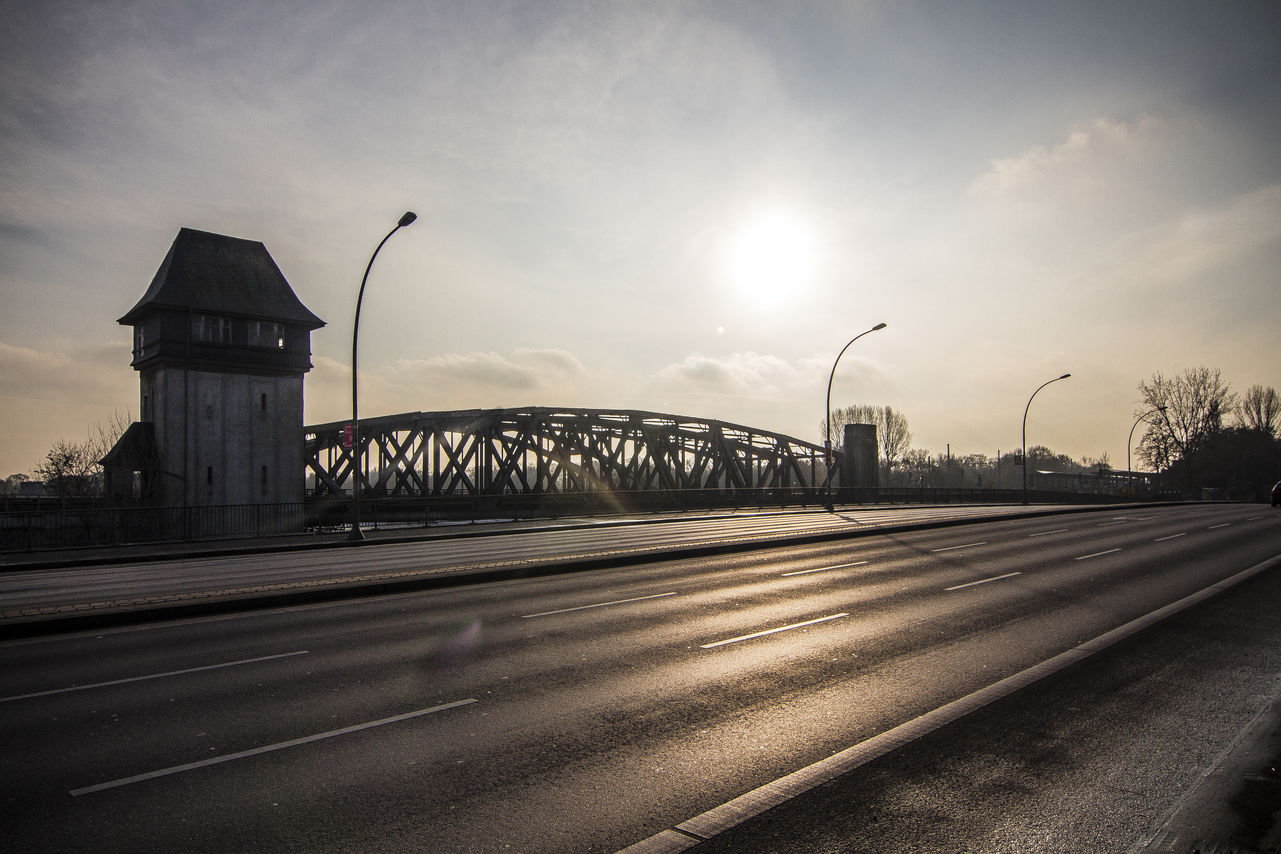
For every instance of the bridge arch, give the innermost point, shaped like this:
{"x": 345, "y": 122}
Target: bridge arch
{"x": 539, "y": 450}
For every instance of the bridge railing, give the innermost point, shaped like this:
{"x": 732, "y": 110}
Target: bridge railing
{"x": 86, "y": 526}
{"x": 331, "y": 513}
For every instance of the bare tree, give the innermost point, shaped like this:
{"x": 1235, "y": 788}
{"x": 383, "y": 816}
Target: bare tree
{"x": 1099, "y": 464}
{"x": 892, "y": 432}
{"x": 1194, "y": 404}
{"x": 896, "y": 437}
{"x": 74, "y": 469}
{"x": 858, "y": 414}
{"x": 1259, "y": 410}
{"x": 70, "y": 470}
{"x": 1157, "y": 448}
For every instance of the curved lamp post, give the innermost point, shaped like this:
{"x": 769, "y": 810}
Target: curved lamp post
{"x": 1130, "y": 442}
{"x": 1025, "y": 411}
{"x": 357, "y": 474}
{"x": 827, "y": 414}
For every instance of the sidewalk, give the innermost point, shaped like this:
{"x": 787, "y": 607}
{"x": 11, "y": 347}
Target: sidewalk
{"x": 45, "y": 593}
{"x": 49, "y": 592}
{"x": 103, "y": 555}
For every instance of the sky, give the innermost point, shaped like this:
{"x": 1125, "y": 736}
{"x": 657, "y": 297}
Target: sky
{"x": 681, "y": 207}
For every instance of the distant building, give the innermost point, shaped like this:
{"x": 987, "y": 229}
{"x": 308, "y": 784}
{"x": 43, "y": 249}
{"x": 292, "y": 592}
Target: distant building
{"x": 221, "y": 344}
{"x": 32, "y": 489}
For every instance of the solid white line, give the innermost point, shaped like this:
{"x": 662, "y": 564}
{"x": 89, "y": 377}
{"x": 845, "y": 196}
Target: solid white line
{"x": 981, "y": 581}
{"x": 1222, "y": 525}
{"x": 1170, "y": 537}
{"x": 267, "y": 748}
{"x": 824, "y": 568}
{"x": 773, "y": 631}
{"x": 1096, "y": 554}
{"x": 1113, "y": 522}
{"x": 734, "y": 812}
{"x": 597, "y": 605}
{"x": 151, "y": 676}
{"x": 1047, "y": 533}
{"x": 966, "y": 546}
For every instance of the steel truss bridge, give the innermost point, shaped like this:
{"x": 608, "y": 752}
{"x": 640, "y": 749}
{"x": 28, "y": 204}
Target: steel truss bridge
{"x": 545, "y": 450}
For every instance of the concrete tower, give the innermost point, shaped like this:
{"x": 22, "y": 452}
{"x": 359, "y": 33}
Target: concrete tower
{"x": 221, "y": 344}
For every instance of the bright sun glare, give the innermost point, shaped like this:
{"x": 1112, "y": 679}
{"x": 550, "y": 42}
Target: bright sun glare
{"x": 771, "y": 257}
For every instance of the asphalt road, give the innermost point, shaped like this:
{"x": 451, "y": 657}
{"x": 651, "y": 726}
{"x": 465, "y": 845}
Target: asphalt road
{"x": 1168, "y": 743}
{"x": 588, "y": 712}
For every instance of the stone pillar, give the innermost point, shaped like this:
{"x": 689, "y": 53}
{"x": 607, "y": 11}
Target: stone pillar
{"x": 860, "y": 469}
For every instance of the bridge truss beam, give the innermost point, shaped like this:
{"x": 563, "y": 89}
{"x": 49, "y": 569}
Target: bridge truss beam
{"x": 548, "y": 450}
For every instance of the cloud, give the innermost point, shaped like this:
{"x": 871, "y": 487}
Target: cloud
{"x": 523, "y": 369}
{"x": 575, "y": 172}
{"x": 763, "y": 390}
{"x": 89, "y": 375}
{"x": 1077, "y": 165}
{"x": 525, "y": 376}
{"x": 1202, "y": 241}
{"x": 735, "y": 374}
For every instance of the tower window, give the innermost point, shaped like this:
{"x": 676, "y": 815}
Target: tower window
{"x": 264, "y": 333}
{"x": 263, "y": 401}
{"x": 208, "y": 475}
{"x": 209, "y": 329}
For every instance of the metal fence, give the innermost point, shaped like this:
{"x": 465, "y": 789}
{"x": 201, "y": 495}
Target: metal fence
{"x": 40, "y": 527}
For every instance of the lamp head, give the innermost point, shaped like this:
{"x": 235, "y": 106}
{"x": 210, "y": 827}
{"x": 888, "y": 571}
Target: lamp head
{"x": 406, "y": 218}
{"x": 878, "y": 326}
{"x": 1065, "y": 376}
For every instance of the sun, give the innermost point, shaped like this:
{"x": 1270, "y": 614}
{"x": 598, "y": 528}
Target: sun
{"x": 771, "y": 257}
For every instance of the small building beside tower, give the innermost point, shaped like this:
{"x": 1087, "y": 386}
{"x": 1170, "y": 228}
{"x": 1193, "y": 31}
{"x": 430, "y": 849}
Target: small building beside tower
{"x": 221, "y": 344}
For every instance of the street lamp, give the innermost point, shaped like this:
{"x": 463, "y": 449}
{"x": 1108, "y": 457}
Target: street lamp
{"x": 1130, "y": 442}
{"x": 1025, "y": 410}
{"x": 357, "y": 475}
{"x": 827, "y": 414}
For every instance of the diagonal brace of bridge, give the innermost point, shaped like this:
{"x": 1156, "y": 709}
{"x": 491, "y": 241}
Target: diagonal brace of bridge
{"x": 538, "y": 450}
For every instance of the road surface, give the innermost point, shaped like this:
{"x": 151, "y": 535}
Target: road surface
{"x": 598, "y": 710}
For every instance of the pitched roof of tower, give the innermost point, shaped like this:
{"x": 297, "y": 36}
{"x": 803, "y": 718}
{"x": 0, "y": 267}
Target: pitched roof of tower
{"x": 217, "y": 274}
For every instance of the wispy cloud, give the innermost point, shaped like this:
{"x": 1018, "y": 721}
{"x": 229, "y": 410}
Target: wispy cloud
{"x": 1077, "y": 164}
{"x": 1215, "y": 238}
{"x": 86, "y": 375}
{"x": 733, "y": 374}
{"x": 522, "y": 377}
{"x": 525, "y": 370}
